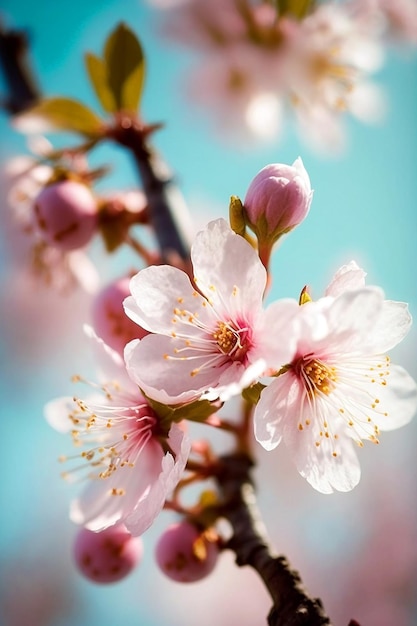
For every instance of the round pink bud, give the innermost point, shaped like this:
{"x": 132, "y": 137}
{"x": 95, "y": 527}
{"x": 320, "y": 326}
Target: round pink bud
{"x": 185, "y": 554}
{"x": 66, "y": 214}
{"x": 109, "y": 318}
{"x": 278, "y": 199}
{"x": 107, "y": 556}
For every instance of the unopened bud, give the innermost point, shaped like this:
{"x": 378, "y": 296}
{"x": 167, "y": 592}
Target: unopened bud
{"x": 277, "y": 200}
{"x": 66, "y": 214}
{"x": 185, "y": 554}
{"x": 107, "y": 556}
{"x": 109, "y": 318}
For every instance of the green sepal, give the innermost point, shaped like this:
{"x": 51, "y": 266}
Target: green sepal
{"x": 97, "y": 72}
{"x": 304, "y": 296}
{"x": 125, "y": 65}
{"x": 252, "y": 394}
{"x": 197, "y": 411}
{"x": 237, "y": 216}
{"x": 62, "y": 114}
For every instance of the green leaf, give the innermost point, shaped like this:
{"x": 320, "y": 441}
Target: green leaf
{"x": 125, "y": 65}
{"x": 132, "y": 89}
{"x": 297, "y": 8}
{"x": 251, "y": 394}
{"x": 97, "y": 72}
{"x": 60, "y": 114}
{"x": 197, "y": 411}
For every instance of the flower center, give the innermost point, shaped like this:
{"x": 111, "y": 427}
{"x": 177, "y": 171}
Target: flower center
{"x": 112, "y": 435}
{"x": 317, "y": 377}
{"x": 231, "y": 341}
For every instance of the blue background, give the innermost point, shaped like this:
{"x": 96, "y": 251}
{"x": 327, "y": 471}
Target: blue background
{"x": 364, "y": 208}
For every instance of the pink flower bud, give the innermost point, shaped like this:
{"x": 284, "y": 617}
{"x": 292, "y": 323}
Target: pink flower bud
{"x": 278, "y": 199}
{"x": 185, "y": 554}
{"x": 66, "y": 214}
{"x": 109, "y": 318}
{"x": 107, "y": 556}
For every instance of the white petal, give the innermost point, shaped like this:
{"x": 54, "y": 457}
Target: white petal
{"x": 321, "y": 469}
{"x": 352, "y": 318}
{"x": 348, "y": 277}
{"x": 391, "y": 326}
{"x": 277, "y": 337}
{"x": 398, "y": 398}
{"x": 97, "y": 508}
{"x": 164, "y": 379}
{"x": 273, "y": 409}
{"x": 228, "y": 270}
{"x": 172, "y": 470}
{"x": 157, "y": 292}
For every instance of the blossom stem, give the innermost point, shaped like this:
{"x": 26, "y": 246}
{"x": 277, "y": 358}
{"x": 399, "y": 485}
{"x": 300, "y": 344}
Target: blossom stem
{"x": 150, "y": 258}
{"x": 292, "y": 605}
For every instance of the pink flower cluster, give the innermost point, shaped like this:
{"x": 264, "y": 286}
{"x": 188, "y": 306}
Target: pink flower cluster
{"x": 257, "y": 64}
{"x": 317, "y": 373}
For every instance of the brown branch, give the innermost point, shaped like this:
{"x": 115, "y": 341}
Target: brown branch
{"x": 292, "y": 605}
{"x": 165, "y": 206}
{"x": 23, "y": 91}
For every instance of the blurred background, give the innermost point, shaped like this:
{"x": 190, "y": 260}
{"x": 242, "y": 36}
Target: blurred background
{"x": 357, "y": 551}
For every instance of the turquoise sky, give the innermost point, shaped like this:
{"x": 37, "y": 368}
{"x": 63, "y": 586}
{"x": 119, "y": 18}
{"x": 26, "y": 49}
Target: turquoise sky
{"x": 364, "y": 208}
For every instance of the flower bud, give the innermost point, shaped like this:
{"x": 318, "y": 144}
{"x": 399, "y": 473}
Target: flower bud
{"x": 109, "y": 318}
{"x": 277, "y": 200}
{"x": 107, "y": 556}
{"x": 66, "y": 214}
{"x": 185, "y": 554}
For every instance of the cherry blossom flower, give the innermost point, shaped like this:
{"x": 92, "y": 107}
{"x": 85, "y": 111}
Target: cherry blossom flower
{"x": 123, "y": 451}
{"x": 340, "y": 387}
{"x": 398, "y": 19}
{"x": 62, "y": 270}
{"x": 215, "y": 336}
{"x": 332, "y": 56}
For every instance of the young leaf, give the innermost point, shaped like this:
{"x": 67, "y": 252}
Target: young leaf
{"x": 60, "y": 114}
{"x": 124, "y": 60}
{"x": 97, "y": 72}
{"x": 297, "y": 8}
{"x": 132, "y": 88}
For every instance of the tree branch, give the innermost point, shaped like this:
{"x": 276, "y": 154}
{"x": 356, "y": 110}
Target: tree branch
{"x": 292, "y": 606}
{"x": 167, "y": 211}
{"x": 23, "y": 91}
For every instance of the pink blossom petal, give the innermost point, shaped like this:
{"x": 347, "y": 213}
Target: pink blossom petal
{"x": 227, "y": 269}
{"x": 348, "y": 277}
{"x": 169, "y": 380}
{"x": 172, "y": 469}
{"x": 158, "y": 291}
{"x": 100, "y": 506}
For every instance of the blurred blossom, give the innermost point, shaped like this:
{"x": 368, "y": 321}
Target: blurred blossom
{"x": 255, "y": 67}
{"x": 396, "y": 18}
{"x": 62, "y": 270}
{"x": 377, "y": 583}
{"x": 36, "y": 588}
{"x": 65, "y": 215}
{"x": 109, "y": 318}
